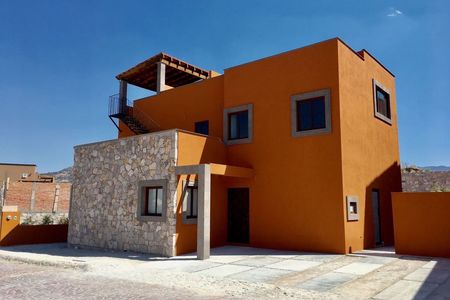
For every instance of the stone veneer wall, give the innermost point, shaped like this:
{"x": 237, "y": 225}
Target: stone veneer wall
{"x": 103, "y": 210}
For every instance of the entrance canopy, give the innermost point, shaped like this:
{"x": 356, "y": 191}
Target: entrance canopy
{"x": 204, "y": 172}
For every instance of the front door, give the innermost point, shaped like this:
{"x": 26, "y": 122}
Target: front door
{"x": 238, "y": 215}
{"x": 376, "y": 216}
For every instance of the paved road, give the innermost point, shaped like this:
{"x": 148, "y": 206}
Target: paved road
{"x": 24, "y": 281}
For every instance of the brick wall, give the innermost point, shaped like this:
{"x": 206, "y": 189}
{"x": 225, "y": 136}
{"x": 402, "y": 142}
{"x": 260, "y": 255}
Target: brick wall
{"x": 39, "y": 197}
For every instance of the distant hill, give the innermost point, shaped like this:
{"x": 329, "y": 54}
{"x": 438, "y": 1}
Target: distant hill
{"x": 64, "y": 175}
{"x": 437, "y": 168}
{"x": 416, "y": 179}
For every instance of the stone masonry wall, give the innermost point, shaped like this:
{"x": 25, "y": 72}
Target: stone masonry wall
{"x": 103, "y": 210}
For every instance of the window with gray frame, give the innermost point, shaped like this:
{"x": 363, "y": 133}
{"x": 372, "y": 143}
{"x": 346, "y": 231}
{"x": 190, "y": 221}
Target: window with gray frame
{"x": 152, "y": 200}
{"x": 190, "y": 203}
{"x": 382, "y": 102}
{"x": 311, "y": 113}
{"x": 238, "y": 124}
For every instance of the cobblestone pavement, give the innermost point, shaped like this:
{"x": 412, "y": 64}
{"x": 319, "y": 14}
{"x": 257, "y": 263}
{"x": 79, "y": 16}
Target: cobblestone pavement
{"x": 25, "y": 281}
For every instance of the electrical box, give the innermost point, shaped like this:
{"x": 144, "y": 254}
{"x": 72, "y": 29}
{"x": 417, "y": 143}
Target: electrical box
{"x": 352, "y": 208}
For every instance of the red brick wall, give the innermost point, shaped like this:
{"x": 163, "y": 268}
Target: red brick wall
{"x": 20, "y": 194}
{"x": 64, "y": 197}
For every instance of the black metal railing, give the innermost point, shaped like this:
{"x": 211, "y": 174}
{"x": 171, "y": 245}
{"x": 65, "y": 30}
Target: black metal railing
{"x": 118, "y": 107}
{"x": 124, "y": 110}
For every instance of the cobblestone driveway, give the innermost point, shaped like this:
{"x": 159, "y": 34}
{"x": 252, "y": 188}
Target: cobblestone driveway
{"x": 25, "y": 281}
{"x": 231, "y": 272}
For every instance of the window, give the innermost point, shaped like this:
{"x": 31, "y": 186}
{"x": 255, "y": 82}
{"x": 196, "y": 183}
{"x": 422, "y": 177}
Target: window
{"x": 311, "y": 113}
{"x": 192, "y": 198}
{"x": 382, "y": 102}
{"x": 237, "y": 122}
{"x": 190, "y": 203}
{"x": 152, "y": 200}
{"x": 202, "y": 127}
{"x": 238, "y": 125}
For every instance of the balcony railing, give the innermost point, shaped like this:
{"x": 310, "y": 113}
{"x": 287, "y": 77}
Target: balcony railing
{"x": 123, "y": 110}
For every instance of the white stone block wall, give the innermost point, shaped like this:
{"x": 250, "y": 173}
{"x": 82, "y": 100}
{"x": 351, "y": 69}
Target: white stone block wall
{"x": 103, "y": 210}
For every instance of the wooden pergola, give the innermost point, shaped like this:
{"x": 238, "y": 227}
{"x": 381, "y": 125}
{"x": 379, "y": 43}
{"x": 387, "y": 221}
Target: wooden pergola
{"x": 163, "y": 70}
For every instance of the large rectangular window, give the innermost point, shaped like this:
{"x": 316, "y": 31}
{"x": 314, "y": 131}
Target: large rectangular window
{"x": 311, "y": 113}
{"x": 382, "y": 102}
{"x": 238, "y": 125}
{"x": 154, "y": 200}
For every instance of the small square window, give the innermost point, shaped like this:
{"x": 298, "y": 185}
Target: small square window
{"x": 237, "y": 124}
{"x": 382, "y": 102}
{"x": 152, "y": 200}
{"x": 202, "y": 127}
{"x": 311, "y": 113}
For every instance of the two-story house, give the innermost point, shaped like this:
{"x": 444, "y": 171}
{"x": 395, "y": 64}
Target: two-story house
{"x": 295, "y": 151}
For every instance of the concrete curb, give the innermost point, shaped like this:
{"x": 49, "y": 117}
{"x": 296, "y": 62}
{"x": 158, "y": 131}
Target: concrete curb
{"x": 44, "y": 262}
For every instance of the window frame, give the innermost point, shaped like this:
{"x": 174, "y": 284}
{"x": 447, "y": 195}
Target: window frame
{"x": 143, "y": 187}
{"x": 295, "y": 99}
{"x": 376, "y": 85}
{"x": 201, "y": 122}
{"x": 227, "y": 124}
{"x": 188, "y": 217}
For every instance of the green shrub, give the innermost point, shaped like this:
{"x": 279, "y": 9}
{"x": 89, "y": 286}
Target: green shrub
{"x": 28, "y": 221}
{"x": 63, "y": 220}
{"x": 47, "y": 220}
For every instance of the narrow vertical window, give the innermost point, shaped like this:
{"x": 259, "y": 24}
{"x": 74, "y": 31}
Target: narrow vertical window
{"x": 192, "y": 198}
{"x": 382, "y": 103}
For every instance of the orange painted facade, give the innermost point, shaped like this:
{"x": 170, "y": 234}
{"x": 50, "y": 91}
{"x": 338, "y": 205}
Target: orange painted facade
{"x": 298, "y": 191}
{"x": 13, "y": 233}
{"x": 421, "y": 223}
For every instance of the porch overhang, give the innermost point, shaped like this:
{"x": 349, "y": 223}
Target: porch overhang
{"x": 204, "y": 172}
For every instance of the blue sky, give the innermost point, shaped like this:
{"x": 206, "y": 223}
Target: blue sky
{"x": 58, "y": 61}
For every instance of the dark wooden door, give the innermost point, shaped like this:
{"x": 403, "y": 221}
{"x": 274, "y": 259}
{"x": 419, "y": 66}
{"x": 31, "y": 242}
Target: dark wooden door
{"x": 238, "y": 215}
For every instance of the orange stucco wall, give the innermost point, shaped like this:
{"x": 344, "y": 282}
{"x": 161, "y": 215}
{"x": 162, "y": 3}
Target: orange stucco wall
{"x": 297, "y": 196}
{"x": 185, "y": 105}
{"x": 369, "y": 146}
{"x": 13, "y": 233}
{"x": 421, "y": 223}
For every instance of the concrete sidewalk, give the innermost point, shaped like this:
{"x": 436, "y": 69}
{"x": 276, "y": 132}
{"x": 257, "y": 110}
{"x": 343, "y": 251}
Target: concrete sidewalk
{"x": 369, "y": 274}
